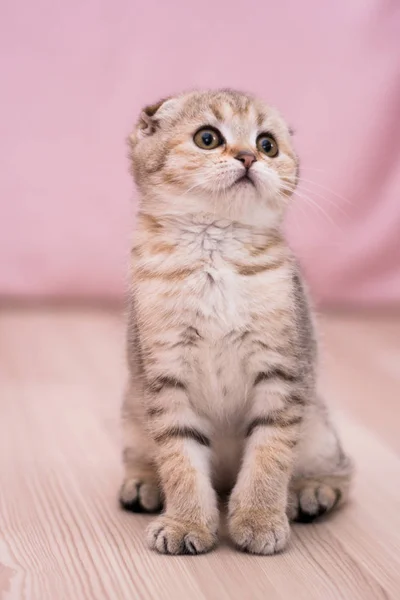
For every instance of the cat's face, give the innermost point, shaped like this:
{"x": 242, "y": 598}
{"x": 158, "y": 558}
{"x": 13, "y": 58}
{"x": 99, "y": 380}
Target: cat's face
{"x": 214, "y": 148}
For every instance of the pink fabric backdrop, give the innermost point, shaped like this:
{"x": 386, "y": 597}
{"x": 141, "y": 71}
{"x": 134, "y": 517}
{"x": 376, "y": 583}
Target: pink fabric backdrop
{"x": 74, "y": 75}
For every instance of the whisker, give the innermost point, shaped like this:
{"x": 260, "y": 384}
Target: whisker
{"x": 298, "y": 206}
{"x": 325, "y": 199}
{"x": 326, "y": 189}
{"x": 312, "y": 169}
{"x": 312, "y": 202}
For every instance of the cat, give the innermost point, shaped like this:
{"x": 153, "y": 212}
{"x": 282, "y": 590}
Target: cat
{"x": 222, "y": 353}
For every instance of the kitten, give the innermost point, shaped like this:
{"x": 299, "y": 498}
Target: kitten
{"x": 221, "y": 347}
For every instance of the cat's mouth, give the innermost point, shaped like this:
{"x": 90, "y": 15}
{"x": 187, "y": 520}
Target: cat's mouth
{"x": 244, "y": 180}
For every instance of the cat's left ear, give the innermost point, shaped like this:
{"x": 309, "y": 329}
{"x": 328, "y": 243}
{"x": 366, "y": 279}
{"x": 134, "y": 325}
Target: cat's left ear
{"x": 151, "y": 115}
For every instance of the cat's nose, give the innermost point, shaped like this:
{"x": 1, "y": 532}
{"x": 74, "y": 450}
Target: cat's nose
{"x": 246, "y": 157}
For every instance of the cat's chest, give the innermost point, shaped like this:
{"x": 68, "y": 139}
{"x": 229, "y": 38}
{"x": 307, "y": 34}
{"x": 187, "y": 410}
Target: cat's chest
{"x": 210, "y": 241}
{"x": 222, "y": 297}
{"x": 204, "y": 274}
{"x": 218, "y": 289}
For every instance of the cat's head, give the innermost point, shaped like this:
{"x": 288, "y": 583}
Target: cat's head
{"x": 222, "y": 151}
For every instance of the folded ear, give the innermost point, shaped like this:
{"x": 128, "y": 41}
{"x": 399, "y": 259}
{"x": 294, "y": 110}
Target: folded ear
{"x": 147, "y": 121}
{"x": 151, "y": 115}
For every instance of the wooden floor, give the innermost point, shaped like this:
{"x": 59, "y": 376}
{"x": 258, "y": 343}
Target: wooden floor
{"x": 62, "y": 535}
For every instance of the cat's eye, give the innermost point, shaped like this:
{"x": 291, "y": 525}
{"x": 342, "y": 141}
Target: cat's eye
{"x": 208, "y": 138}
{"x": 267, "y": 144}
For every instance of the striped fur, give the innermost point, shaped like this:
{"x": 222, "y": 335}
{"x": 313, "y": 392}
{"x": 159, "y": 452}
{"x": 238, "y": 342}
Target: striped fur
{"x": 221, "y": 345}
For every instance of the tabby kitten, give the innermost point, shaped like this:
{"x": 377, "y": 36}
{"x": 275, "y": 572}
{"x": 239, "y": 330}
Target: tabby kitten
{"x": 222, "y": 354}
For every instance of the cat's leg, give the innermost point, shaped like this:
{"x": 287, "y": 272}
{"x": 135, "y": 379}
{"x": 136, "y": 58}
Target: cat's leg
{"x": 140, "y": 490}
{"x": 322, "y": 471}
{"x": 189, "y": 523}
{"x": 257, "y": 508}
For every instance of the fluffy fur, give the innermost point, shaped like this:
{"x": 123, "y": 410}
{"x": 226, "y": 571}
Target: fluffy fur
{"x": 222, "y": 354}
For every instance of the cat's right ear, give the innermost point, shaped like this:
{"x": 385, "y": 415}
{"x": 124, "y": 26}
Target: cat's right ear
{"x": 151, "y": 115}
{"x": 147, "y": 124}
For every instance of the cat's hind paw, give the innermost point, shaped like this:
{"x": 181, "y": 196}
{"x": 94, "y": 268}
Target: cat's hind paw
{"x": 310, "y": 499}
{"x": 140, "y": 496}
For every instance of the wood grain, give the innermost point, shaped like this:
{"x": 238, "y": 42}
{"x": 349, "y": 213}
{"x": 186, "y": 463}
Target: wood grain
{"x": 62, "y": 535}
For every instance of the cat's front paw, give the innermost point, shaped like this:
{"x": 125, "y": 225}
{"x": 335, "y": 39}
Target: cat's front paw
{"x": 259, "y": 532}
{"x": 168, "y": 535}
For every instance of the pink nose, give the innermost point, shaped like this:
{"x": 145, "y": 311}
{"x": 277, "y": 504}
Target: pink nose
{"x": 246, "y": 157}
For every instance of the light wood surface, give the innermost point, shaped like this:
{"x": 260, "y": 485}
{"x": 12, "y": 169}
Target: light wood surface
{"x": 62, "y": 535}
